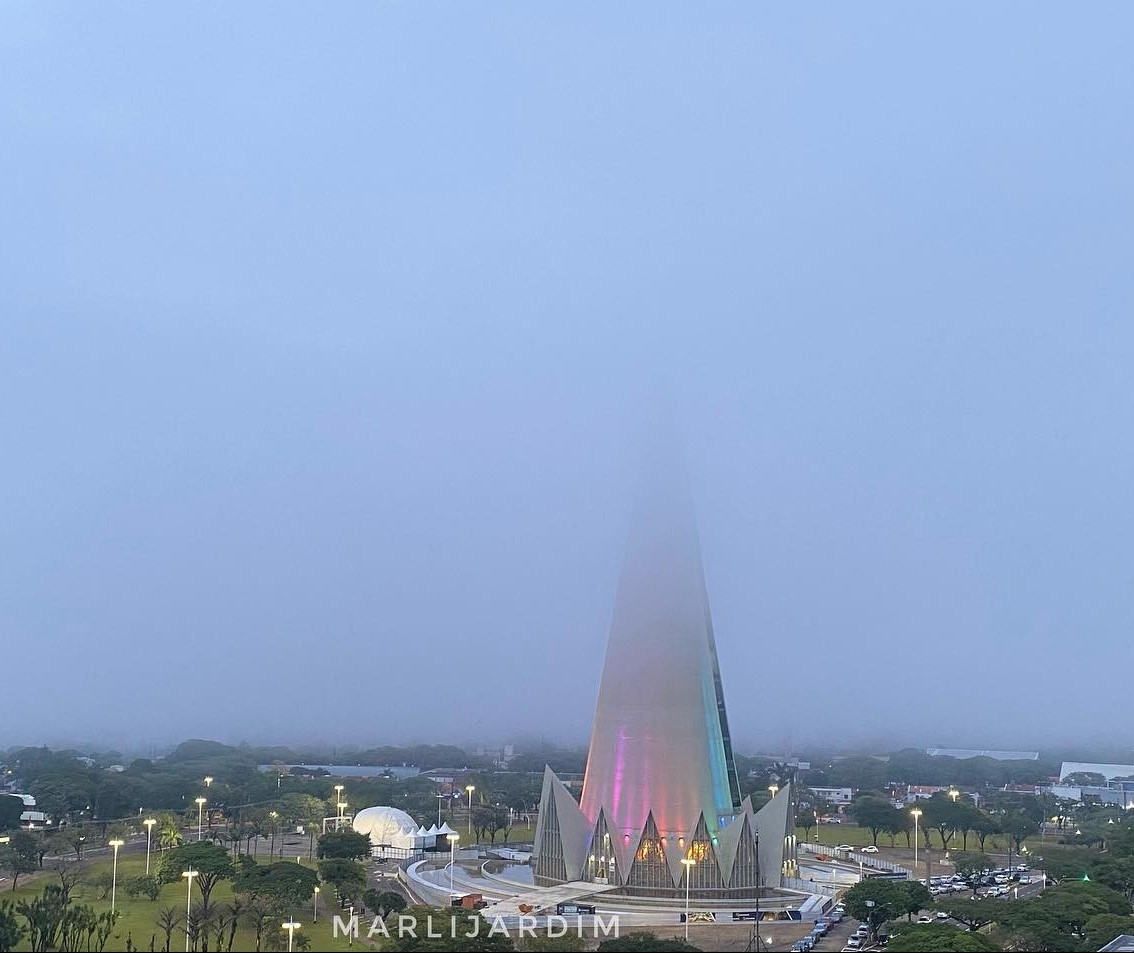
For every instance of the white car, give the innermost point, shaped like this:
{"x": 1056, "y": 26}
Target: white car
{"x": 854, "y": 942}
{"x": 942, "y": 915}
{"x": 870, "y": 849}
{"x": 924, "y": 919}
{"x": 844, "y": 847}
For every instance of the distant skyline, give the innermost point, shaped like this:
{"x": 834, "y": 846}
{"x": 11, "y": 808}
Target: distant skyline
{"x": 330, "y": 333}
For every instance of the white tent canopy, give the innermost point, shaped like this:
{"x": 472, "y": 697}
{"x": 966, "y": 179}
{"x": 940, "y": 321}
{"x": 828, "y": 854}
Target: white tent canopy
{"x": 387, "y": 827}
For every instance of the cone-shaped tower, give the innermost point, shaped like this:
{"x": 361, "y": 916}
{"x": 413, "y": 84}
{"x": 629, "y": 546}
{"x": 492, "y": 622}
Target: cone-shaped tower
{"x": 660, "y": 787}
{"x": 660, "y": 740}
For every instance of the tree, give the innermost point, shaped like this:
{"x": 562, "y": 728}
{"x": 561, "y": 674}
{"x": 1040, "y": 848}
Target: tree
{"x": 1116, "y": 873}
{"x": 945, "y": 815}
{"x": 1085, "y": 779}
{"x": 168, "y": 920}
{"x": 11, "y": 809}
{"x": 983, "y": 825}
{"x": 235, "y": 914}
{"x": 1018, "y": 826}
{"x": 383, "y": 902}
{"x": 974, "y": 914}
{"x": 11, "y": 931}
{"x": 80, "y": 923}
{"x": 937, "y": 938}
{"x": 914, "y": 896}
{"x": 308, "y": 810}
{"x": 874, "y": 813}
{"x": 347, "y": 844}
{"x": 348, "y": 877}
{"x": 282, "y": 884}
{"x": 169, "y": 831}
{"x": 44, "y": 916}
{"x": 808, "y": 819}
{"x": 20, "y": 856}
{"x": 1104, "y": 927}
{"x": 211, "y": 862}
{"x": 143, "y": 886}
{"x": 641, "y": 942}
{"x": 875, "y": 901}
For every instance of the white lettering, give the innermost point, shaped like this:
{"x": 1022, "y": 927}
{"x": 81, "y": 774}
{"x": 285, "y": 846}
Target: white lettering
{"x": 349, "y": 928}
{"x": 609, "y": 928}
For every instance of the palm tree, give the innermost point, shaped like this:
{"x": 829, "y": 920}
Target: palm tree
{"x": 168, "y": 920}
{"x": 169, "y": 832}
{"x": 235, "y": 915}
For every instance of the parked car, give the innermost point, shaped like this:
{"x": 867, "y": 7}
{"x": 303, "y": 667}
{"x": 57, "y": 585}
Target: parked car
{"x": 924, "y": 919}
{"x": 854, "y": 942}
{"x": 844, "y": 847}
{"x": 870, "y": 849}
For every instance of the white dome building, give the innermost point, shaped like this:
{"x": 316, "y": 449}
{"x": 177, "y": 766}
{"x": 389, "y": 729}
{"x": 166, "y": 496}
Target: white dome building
{"x": 390, "y": 830}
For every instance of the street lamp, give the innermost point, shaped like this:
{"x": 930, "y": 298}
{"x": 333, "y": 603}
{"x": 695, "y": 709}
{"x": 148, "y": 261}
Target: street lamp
{"x": 291, "y": 926}
{"x": 342, "y": 813}
{"x": 439, "y": 797}
{"x": 339, "y": 797}
{"x": 274, "y": 815}
{"x": 116, "y": 843}
{"x": 188, "y": 875}
{"x": 915, "y": 813}
{"x": 315, "y": 913}
{"x": 688, "y": 863}
{"x": 208, "y": 781}
{"x": 453, "y": 838}
{"x": 201, "y": 802}
{"x": 954, "y": 793}
{"x": 149, "y": 822}
{"x": 470, "y": 790}
{"x": 773, "y": 788}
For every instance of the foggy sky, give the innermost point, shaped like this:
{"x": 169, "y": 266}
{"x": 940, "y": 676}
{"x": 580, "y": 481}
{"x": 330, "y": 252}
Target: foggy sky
{"x": 329, "y": 333}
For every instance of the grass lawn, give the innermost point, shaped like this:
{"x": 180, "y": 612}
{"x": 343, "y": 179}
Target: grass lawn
{"x": 138, "y": 917}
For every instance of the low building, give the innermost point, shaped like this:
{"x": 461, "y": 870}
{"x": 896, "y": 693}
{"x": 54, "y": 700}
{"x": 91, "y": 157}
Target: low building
{"x": 920, "y": 792}
{"x": 834, "y": 795}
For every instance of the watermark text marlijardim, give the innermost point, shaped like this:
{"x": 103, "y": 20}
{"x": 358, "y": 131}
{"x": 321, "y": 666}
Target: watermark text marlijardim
{"x": 435, "y": 928}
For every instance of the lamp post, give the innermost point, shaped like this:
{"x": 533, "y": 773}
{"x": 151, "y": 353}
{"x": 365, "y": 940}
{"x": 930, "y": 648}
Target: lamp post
{"x": 149, "y": 822}
{"x": 342, "y": 813}
{"x": 274, "y": 815}
{"x": 315, "y": 912}
{"x": 188, "y": 875}
{"x": 201, "y": 802}
{"x": 208, "y": 781}
{"x": 116, "y": 843}
{"x": 469, "y": 788}
{"x": 773, "y": 788}
{"x": 291, "y": 926}
{"x": 915, "y": 813}
{"x": 439, "y": 799}
{"x": 338, "y": 798}
{"x": 688, "y": 863}
{"x": 453, "y": 838}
